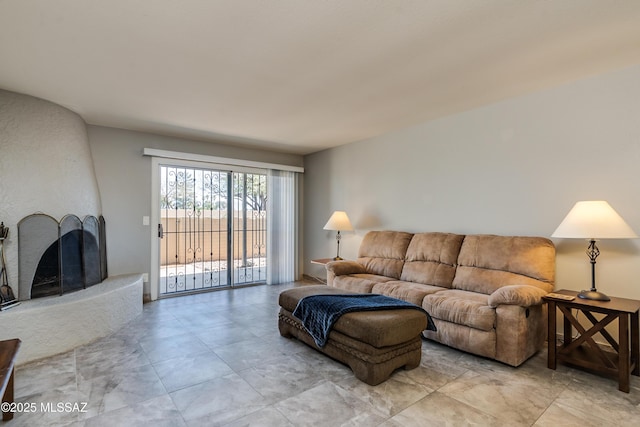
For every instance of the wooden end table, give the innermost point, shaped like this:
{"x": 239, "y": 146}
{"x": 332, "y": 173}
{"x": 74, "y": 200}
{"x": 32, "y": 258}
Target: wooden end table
{"x": 584, "y": 351}
{"x": 8, "y": 352}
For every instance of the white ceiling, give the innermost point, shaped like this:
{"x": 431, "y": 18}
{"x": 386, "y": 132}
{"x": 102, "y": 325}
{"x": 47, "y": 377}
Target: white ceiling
{"x": 301, "y": 75}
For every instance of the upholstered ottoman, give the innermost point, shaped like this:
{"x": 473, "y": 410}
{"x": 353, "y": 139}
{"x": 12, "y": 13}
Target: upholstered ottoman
{"x": 372, "y": 343}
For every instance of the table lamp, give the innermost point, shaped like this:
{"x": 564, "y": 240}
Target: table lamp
{"x": 338, "y": 221}
{"x": 593, "y": 220}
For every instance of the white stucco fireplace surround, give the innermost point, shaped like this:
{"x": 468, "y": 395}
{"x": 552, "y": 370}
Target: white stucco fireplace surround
{"x": 47, "y": 167}
{"x": 54, "y": 325}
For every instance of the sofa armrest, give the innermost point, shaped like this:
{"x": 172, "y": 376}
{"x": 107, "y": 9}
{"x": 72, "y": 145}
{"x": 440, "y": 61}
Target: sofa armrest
{"x": 341, "y": 268}
{"x": 522, "y": 295}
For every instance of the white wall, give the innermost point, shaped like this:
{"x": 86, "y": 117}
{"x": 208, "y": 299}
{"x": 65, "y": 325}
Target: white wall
{"x": 513, "y": 168}
{"x": 124, "y": 179}
{"x": 45, "y": 166}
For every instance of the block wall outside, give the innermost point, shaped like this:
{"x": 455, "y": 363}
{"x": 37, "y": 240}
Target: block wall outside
{"x": 205, "y": 235}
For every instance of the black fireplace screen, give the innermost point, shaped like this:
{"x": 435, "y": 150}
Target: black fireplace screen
{"x": 60, "y": 257}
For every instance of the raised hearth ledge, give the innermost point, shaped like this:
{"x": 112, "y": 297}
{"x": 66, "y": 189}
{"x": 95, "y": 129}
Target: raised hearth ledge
{"x": 54, "y": 325}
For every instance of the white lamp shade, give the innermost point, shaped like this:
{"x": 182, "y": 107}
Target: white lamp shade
{"x": 593, "y": 220}
{"x": 339, "y": 221}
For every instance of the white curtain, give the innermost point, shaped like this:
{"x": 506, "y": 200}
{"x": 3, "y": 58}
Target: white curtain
{"x": 282, "y": 214}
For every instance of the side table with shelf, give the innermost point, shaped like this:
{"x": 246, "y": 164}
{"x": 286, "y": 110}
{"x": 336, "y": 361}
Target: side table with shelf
{"x": 583, "y": 351}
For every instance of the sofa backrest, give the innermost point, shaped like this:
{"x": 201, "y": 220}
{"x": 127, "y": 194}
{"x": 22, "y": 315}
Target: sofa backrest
{"x": 383, "y": 252}
{"x": 431, "y": 259}
{"x": 488, "y": 262}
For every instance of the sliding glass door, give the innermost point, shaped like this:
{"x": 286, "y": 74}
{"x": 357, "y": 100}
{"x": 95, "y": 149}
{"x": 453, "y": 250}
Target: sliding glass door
{"x": 212, "y": 228}
{"x": 249, "y": 228}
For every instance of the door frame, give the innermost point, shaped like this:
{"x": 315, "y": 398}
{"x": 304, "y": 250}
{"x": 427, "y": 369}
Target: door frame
{"x": 156, "y": 163}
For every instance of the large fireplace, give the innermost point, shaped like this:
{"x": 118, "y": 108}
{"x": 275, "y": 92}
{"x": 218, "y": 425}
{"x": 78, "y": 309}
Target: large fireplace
{"x": 60, "y": 257}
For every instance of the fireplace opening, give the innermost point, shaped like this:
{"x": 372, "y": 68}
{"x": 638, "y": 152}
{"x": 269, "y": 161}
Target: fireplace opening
{"x": 56, "y": 258}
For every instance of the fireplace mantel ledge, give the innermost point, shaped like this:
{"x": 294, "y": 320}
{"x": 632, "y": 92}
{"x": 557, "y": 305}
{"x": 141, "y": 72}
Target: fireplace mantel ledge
{"x": 54, "y": 325}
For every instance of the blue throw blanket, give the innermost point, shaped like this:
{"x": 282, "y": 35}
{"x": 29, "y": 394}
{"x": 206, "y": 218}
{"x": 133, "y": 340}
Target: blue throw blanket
{"x": 318, "y": 313}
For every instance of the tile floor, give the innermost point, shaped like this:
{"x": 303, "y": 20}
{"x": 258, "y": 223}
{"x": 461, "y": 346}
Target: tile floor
{"x": 216, "y": 359}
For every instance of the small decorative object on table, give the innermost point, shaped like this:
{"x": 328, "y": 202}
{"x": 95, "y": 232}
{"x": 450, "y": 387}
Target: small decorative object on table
{"x": 7, "y": 299}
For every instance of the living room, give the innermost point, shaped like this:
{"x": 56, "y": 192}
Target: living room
{"x": 512, "y": 161}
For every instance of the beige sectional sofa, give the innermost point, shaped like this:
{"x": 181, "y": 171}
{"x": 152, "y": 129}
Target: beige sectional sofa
{"x": 484, "y": 292}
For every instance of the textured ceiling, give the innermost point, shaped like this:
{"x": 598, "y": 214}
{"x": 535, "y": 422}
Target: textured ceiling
{"x": 301, "y": 75}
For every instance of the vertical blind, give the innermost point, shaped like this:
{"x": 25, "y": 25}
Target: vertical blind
{"x": 282, "y": 227}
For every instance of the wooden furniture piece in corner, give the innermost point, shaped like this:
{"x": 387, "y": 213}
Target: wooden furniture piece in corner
{"x": 584, "y": 351}
{"x": 8, "y": 352}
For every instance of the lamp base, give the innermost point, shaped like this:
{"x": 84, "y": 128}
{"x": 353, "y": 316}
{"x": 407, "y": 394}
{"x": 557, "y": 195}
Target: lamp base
{"x": 337, "y": 258}
{"x": 593, "y": 295}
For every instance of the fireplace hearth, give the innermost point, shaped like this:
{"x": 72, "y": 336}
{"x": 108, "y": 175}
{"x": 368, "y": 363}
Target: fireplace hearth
{"x": 60, "y": 257}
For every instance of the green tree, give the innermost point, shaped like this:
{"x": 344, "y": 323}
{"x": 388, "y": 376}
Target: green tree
{"x": 255, "y": 192}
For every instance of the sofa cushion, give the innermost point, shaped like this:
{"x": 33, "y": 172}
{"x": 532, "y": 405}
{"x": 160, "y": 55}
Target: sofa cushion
{"x": 362, "y": 283}
{"x": 431, "y": 259}
{"x": 406, "y": 291}
{"x": 461, "y": 307}
{"x": 383, "y": 252}
{"x": 488, "y": 262}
